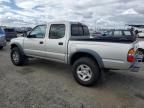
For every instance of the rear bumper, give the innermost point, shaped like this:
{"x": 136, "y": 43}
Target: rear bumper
{"x": 121, "y": 65}
{"x": 116, "y": 64}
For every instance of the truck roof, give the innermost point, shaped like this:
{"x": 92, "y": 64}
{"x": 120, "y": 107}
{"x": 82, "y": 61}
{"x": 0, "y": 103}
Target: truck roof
{"x": 71, "y": 22}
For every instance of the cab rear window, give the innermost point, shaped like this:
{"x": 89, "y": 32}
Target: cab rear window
{"x": 79, "y": 30}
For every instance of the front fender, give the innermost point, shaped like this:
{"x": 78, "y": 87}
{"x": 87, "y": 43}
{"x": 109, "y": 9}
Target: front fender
{"x": 17, "y": 45}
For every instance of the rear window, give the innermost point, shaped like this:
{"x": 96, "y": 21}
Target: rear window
{"x": 79, "y": 30}
{"x": 9, "y": 30}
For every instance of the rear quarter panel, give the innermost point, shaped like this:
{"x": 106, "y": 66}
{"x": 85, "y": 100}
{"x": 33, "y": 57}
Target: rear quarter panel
{"x": 113, "y": 55}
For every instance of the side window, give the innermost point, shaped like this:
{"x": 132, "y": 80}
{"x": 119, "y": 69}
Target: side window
{"x": 38, "y": 32}
{"x": 109, "y": 33}
{"x": 57, "y": 31}
{"x": 127, "y": 33}
{"x": 118, "y": 33}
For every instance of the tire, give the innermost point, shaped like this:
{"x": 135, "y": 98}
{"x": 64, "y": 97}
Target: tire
{"x": 1, "y": 47}
{"x": 20, "y": 59}
{"x": 86, "y": 71}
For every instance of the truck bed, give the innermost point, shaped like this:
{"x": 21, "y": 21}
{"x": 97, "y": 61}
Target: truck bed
{"x": 105, "y": 39}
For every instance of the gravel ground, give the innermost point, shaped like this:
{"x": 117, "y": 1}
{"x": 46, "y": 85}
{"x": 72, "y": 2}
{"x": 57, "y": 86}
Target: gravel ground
{"x": 44, "y": 84}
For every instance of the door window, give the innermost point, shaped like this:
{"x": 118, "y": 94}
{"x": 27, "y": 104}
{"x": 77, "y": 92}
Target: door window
{"x": 118, "y": 33}
{"x": 57, "y": 31}
{"x": 38, "y": 32}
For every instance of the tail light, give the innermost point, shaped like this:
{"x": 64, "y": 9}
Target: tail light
{"x": 131, "y": 55}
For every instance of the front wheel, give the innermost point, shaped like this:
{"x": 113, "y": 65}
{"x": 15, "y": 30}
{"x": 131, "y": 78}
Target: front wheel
{"x": 86, "y": 71}
{"x": 17, "y": 57}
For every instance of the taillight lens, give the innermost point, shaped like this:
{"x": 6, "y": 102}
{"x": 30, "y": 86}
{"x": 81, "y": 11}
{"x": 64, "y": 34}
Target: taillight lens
{"x": 131, "y": 54}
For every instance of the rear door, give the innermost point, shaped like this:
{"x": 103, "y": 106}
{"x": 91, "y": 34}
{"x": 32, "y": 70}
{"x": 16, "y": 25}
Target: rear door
{"x": 56, "y": 45}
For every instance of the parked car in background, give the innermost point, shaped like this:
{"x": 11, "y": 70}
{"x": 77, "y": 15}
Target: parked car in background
{"x": 139, "y": 28}
{"x": 22, "y": 31}
{"x": 115, "y": 33}
{"x": 10, "y": 33}
{"x": 96, "y": 34}
{"x": 2, "y": 38}
{"x": 141, "y": 34}
{"x": 119, "y": 33}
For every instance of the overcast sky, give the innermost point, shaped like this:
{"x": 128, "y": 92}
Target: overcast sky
{"x": 91, "y": 12}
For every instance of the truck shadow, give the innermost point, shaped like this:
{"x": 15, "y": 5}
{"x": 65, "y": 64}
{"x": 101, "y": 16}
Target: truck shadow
{"x": 125, "y": 78}
{"x": 114, "y": 79}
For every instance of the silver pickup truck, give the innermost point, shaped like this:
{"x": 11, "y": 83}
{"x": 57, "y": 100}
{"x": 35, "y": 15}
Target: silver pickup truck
{"x": 70, "y": 43}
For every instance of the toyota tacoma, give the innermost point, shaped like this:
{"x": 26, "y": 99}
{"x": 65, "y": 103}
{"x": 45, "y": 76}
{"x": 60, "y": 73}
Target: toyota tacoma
{"x": 70, "y": 43}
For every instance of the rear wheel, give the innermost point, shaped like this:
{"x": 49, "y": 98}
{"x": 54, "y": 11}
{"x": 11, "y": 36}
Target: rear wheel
{"x": 86, "y": 71}
{"x": 17, "y": 57}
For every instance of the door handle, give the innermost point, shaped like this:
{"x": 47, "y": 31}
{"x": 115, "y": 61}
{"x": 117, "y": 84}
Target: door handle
{"x": 60, "y": 43}
{"x": 41, "y": 42}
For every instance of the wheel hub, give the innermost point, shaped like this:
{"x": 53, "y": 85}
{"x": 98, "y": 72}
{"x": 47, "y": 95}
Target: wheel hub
{"x": 15, "y": 57}
{"x": 84, "y": 72}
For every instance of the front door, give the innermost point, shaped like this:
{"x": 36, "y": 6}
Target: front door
{"x": 34, "y": 43}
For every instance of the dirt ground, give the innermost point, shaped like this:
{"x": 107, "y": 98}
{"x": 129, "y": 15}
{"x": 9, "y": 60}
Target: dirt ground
{"x": 44, "y": 84}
